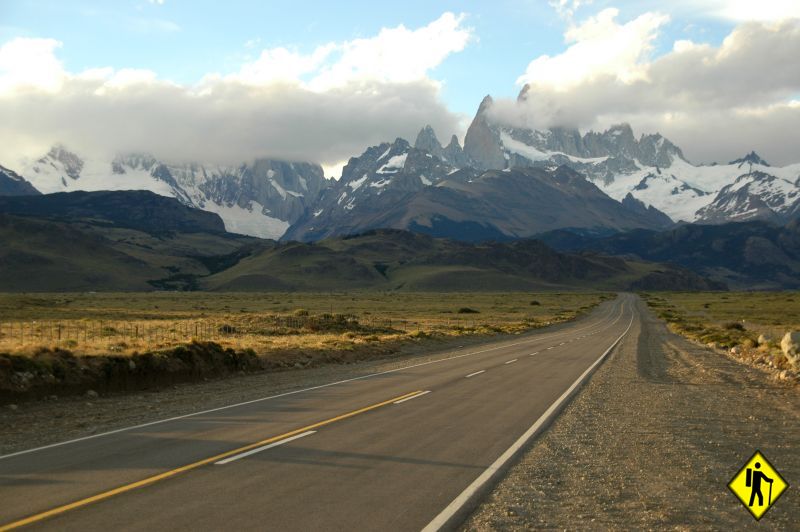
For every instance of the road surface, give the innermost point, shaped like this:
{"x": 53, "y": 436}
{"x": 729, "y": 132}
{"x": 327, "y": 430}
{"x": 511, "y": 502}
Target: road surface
{"x": 400, "y": 450}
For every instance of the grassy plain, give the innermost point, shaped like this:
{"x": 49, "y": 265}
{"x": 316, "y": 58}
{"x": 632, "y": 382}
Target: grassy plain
{"x": 732, "y": 319}
{"x": 128, "y": 323}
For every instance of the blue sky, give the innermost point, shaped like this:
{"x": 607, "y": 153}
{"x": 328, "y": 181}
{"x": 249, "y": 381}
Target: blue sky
{"x": 321, "y": 81}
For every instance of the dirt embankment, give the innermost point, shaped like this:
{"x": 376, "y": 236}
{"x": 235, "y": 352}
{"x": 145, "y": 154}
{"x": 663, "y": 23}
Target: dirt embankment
{"x": 651, "y": 443}
{"x": 54, "y": 372}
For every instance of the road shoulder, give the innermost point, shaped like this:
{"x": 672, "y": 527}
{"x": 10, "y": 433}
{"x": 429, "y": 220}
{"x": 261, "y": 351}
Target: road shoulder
{"x": 651, "y": 442}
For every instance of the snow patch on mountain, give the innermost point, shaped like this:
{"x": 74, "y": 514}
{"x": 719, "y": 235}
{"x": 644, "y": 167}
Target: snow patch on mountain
{"x": 395, "y": 164}
{"x": 249, "y": 220}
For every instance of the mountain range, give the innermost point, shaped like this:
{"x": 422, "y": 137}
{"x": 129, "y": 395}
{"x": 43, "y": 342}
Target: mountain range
{"x": 138, "y": 240}
{"x": 506, "y": 182}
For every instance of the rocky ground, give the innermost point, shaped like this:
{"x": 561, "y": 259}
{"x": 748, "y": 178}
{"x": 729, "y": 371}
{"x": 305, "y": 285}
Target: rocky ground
{"x": 651, "y": 443}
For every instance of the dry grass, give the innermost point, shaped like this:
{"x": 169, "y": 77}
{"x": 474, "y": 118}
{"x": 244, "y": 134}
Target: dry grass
{"x": 125, "y": 323}
{"x": 733, "y": 321}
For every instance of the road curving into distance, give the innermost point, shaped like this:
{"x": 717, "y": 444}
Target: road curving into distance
{"x": 408, "y": 449}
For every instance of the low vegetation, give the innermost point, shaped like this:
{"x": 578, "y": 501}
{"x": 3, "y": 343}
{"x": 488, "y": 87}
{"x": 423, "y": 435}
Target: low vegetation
{"x": 748, "y": 325}
{"x": 195, "y": 335}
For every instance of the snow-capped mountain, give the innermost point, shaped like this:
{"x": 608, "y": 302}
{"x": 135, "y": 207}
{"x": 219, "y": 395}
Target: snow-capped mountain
{"x": 427, "y": 188}
{"x": 651, "y": 169}
{"x": 262, "y": 198}
{"x": 13, "y": 184}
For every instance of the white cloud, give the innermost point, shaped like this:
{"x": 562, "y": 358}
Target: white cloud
{"x": 30, "y": 64}
{"x": 566, "y": 8}
{"x": 395, "y": 54}
{"x": 599, "y": 47}
{"x": 740, "y": 10}
{"x": 323, "y": 106}
{"x": 713, "y": 101}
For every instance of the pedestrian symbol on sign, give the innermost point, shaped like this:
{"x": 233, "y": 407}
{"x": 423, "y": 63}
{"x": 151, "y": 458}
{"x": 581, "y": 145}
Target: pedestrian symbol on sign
{"x": 757, "y": 485}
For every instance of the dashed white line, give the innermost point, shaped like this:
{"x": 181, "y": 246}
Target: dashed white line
{"x": 512, "y": 361}
{"x": 293, "y": 392}
{"x": 264, "y": 448}
{"x": 551, "y": 347}
{"x": 420, "y": 394}
{"x": 534, "y": 354}
{"x": 476, "y": 373}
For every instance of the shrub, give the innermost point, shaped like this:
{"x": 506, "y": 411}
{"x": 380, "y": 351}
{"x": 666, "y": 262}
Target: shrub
{"x": 227, "y": 329}
{"x": 734, "y": 325}
{"x": 301, "y": 312}
{"x": 535, "y": 303}
{"x": 467, "y": 310}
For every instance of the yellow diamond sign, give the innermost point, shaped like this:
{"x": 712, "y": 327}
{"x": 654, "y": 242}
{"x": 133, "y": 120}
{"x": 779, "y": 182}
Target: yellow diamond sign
{"x": 757, "y": 485}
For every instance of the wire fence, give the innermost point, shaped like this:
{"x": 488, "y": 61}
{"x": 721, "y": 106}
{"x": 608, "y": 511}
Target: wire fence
{"x": 161, "y": 332}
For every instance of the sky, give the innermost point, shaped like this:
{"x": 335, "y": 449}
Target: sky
{"x": 224, "y": 82}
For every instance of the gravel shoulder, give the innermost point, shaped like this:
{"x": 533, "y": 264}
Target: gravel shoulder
{"x": 651, "y": 443}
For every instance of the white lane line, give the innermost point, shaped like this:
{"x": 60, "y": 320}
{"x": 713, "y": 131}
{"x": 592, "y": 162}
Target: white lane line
{"x": 534, "y": 354}
{"x": 264, "y": 448}
{"x": 562, "y": 343}
{"x": 512, "y": 361}
{"x": 476, "y": 373}
{"x": 447, "y": 515}
{"x": 611, "y": 313}
{"x": 551, "y": 347}
{"x": 420, "y": 394}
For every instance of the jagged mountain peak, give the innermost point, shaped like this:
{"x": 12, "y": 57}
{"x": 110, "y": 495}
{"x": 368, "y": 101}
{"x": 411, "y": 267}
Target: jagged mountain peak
{"x": 426, "y": 140}
{"x": 486, "y": 103}
{"x": 72, "y": 164}
{"x": 13, "y": 184}
{"x": 623, "y": 128}
{"x": 750, "y": 158}
{"x": 523, "y": 93}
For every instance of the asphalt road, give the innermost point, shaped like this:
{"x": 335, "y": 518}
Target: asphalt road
{"x": 391, "y": 451}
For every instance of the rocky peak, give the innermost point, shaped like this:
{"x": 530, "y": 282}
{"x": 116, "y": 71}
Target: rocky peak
{"x": 454, "y": 154}
{"x": 482, "y": 144}
{"x": 523, "y": 94}
{"x": 427, "y": 141}
{"x": 655, "y": 150}
{"x": 13, "y": 184}
{"x": 750, "y": 158}
{"x": 638, "y": 206}
{"x": 486, "y": 103}
{"x": 71, "y": 163}
{"x": 136, "y": 161}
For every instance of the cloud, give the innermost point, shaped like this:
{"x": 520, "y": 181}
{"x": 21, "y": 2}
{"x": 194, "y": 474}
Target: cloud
{"x": 713, "y": 101}
{"x": 739, "y": 10}
{"x": 30, "y": 63}
{"x": 566, "y": 8}
{"x": 322, "y": 106}
{"x": 599, "y": 47}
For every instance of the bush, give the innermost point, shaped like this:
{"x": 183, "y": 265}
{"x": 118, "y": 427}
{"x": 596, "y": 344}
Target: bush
{"x": 227, "y": 329}
{"x": 734, "y": 326}
{"x": 301, "y": 312}
{"x": 535, "y": 303}
{"x": 467, "y": 310}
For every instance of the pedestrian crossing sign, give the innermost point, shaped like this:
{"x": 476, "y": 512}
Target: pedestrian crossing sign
{"x": 757, "y": 485}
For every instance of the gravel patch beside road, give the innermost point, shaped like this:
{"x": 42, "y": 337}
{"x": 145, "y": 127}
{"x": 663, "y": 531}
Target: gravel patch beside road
{"x": 651, "y": 443}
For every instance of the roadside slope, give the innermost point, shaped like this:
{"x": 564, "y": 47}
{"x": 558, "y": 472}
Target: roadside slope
{"x": 651, "y": 442}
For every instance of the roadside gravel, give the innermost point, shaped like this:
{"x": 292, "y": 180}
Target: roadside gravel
{"x": 651, "y": 443}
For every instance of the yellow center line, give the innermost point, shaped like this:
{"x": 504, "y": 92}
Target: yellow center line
{"x": 167, "y": 474}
